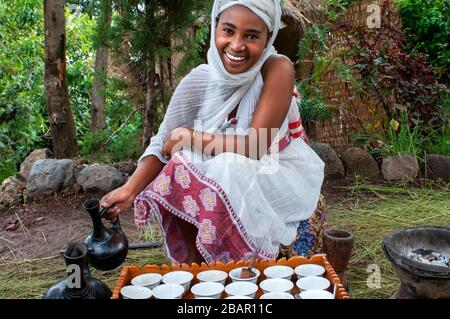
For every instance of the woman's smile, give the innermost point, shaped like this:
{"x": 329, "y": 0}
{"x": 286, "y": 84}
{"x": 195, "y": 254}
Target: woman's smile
{"x": 234, "y": 60}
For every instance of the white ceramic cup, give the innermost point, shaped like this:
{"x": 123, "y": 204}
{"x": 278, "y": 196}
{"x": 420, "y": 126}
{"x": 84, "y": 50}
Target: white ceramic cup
{"x": 179, "y": 277}
{"x": 235, "y": 275}
{"x": 316, "y": 294}
{"x": 279, "y": 271}
{"x": 213, "y": 276}
{"x": 136, "y": 292}
{"x": 276, "y": 285}
{"x": 307, "y": 270}
{"x": 168, "y": 291}
{"x": 277, "y": 295}
{"x": 150, "y": 280}
{"x": 313, "y": 283}
{"x": 241, "y": 288}
{"x": 208, "y": 289}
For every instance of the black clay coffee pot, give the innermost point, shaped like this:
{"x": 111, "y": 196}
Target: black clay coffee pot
{"x": 79, "y": 284}
{"x": 107, "y": 247}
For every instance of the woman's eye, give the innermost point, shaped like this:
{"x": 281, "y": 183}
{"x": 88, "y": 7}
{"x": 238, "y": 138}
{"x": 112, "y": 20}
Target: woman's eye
{"x": 252, "y": 37}
{"x": 228, "y": 31}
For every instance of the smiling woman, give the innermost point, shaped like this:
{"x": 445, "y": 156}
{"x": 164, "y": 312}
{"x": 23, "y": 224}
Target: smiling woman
{"x": 230, "y": 171}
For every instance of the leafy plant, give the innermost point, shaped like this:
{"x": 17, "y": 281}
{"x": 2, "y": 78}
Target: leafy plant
{"x": 402, "y": 83}
{"x": 438, "y": 141}
{"x": 311, "y": 106}
{"x": 427, "y": 25}
{"x": 23, "y": 113}
{"x": 403, "y": 139}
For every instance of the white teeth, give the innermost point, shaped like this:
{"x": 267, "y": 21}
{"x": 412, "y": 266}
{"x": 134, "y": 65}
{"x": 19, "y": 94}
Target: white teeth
{"x": 234, "y": 58}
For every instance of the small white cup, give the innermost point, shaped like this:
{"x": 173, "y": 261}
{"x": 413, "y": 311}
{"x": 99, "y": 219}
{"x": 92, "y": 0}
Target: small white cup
{"x": 179, "y": 277}
{"x": 276, "y": 285}
{"x": 136, "y": 292}
{"x": 168, "y": 291}
{"x": 316, "y": 294}
{"x": 218, "y": 276}
{"x": 235, "y": 275}
{"x": 277, "y": 295}
{"x": 241, "y": 288}
{"x": 307, "y": 270}
{"x": 208, "y": 289}
{"x": 313, "y": 283}
{"x": 279, "y": 271}
{"x": 149, "y": 280}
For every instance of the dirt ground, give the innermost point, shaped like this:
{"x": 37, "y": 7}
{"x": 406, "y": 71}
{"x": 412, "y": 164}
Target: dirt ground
{"x": 43, "y": 228}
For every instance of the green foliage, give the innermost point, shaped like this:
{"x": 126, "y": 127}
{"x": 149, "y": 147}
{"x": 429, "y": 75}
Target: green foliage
{"x": 427, "y": 24}
{"x": 311, "y": 106}
{"x": 402, "y": 83}
{"x": 22, "y": 107}
{"x": 126, "y": 145}
{"x": 192, "y": 57}
{"x": 438, "y": 141}
{"x": 80, "y": 57}
{"x": 315, "y": 46}
{"x": 403, "y": 139}
{"x": 92, "y": 146}
{"x": 336, "y": 8}
{"x": 23, "y": 112}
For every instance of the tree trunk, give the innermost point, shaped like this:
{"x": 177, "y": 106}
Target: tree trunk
{"x": 149, "y": 112}
{"x": 56, "y": 95}
{"x": 98, "y": 113}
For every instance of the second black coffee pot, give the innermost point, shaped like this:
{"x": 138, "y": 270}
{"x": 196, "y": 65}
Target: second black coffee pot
{"x": 107, "y": 247}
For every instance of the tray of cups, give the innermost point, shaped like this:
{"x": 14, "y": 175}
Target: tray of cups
{"x": 293, "y": 278}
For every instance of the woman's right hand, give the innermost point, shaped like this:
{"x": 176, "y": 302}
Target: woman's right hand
{"x": 117, "y": 201}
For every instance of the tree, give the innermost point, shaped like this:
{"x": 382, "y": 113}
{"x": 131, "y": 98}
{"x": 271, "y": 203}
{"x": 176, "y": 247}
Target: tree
{"x": 56, "y": 95}
{"x": 98, "y": 112}
{"x": 147, "y": 28}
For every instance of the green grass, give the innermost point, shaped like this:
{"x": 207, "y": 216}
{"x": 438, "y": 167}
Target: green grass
{"x": 375, "y": 211}
{"x": 368, "y": 211}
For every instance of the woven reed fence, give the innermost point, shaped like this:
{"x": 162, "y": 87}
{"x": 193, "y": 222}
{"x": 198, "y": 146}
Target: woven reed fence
{"x": 351, "y": 112}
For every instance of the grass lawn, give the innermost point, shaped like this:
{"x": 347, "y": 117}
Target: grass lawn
{"x": 368, "y": 211}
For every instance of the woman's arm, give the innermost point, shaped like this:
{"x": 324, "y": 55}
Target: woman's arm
{"x": 122, "y": 198}
{"x": 271, "y": 111}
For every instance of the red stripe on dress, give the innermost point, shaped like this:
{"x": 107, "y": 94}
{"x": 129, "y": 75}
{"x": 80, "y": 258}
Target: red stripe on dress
{"x": 294, "y": 125}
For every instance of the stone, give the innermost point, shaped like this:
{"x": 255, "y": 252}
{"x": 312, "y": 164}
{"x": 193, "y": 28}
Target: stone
{"x": 27, "y": 164}
{"x": 438, "y": 166}
{"x": 77, "y": 189}
{"x": 401, "y": 167}
{"x": 126, "y": 168}
{"x": 100, "y": 178}
{"x": 49, "y": 176}
{"x": 11, "y": 191}
{"x": 334, "y": 169}
{"x": 359, "y": 162}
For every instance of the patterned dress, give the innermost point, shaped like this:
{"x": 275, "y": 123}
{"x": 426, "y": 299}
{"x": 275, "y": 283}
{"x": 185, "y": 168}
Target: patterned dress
{"x": 228, "y": 206}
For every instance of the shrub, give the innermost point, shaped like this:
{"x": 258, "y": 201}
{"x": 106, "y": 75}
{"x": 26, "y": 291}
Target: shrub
{"x": 427, "y": 25}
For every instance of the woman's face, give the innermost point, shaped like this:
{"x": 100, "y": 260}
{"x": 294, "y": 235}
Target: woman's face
{"x": 241, "y": 37}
